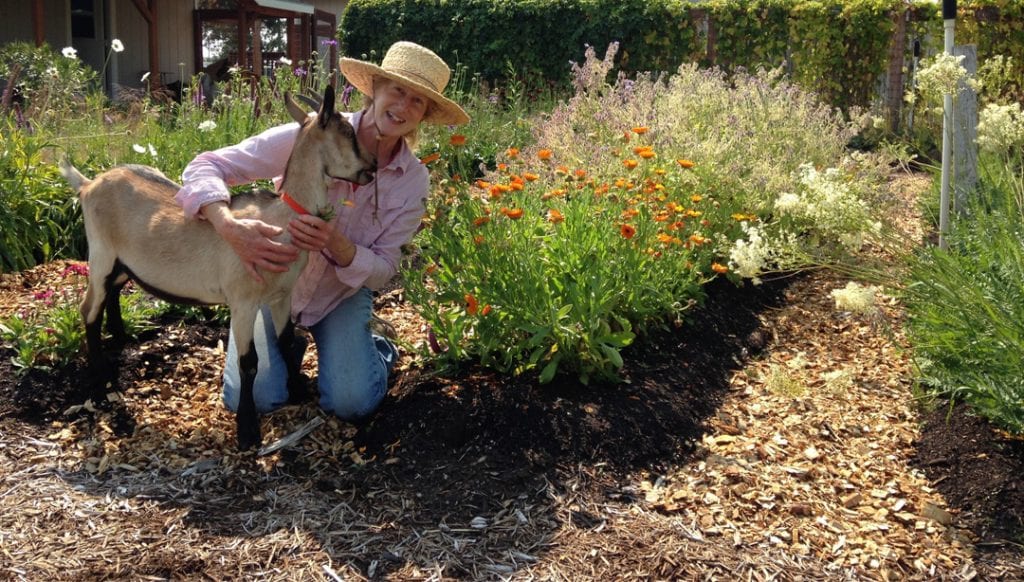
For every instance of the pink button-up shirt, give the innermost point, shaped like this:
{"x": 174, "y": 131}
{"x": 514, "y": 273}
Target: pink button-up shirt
{"x": 403, "y": 186}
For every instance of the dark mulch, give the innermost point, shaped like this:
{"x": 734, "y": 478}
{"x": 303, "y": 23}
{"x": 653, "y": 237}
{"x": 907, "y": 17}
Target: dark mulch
{"x": 978, "y": 470}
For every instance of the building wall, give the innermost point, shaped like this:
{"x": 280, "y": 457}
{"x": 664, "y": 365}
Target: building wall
{"x": 16, "y": 23}
{"x": 174, "y": 18}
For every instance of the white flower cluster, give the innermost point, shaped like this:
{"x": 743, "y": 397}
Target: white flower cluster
{"x": 207, "y": 126}
{"x": 855, "y": 298}
{"x": 758, "y": 252}
{"x": 941, "y": 76}
{"x": 829, "y": 205}
{"x": 1000, "y": 127}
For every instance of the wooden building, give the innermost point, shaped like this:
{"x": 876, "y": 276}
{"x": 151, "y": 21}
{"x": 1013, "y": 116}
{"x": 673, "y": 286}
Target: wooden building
{"x": 172, "y": 39}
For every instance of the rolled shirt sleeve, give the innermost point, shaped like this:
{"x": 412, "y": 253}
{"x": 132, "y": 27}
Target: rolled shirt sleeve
{"x": 208, "y": 177}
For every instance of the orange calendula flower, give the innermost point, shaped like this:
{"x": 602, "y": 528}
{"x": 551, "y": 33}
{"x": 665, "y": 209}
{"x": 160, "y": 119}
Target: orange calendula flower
{"x": 485, "y": 310}
{"x": 530, "y": 176}
{"x": 457, "y": 139}
{"x": 502, "y": 167}
{"x": 562, "y": 169}
{"x": 685, "y": 163}
{"x": 719, "y": 268}
{"x": 431, "y": 158}
{"x": 640, "y": 130}
{"x": 698, "y": 239}
{"x": 431, "y": 268}
{"x": 481, "y": 220}
{"x": 544, "y": 154}
{"x": 554, "y": 216}
{"x": 627, "y": 231}
{"x": 512, "y": 152}
{"x": 516, "y": 186}
{"x": 472, "y": 306}
{"x": 630, "y": 164}
{"x": 647, "y": 154}
{"x": 478, "y": 239}
{"x": 513, "y": 213}
{"x": 482, "y": 184}
{"x": 580, "y": 173}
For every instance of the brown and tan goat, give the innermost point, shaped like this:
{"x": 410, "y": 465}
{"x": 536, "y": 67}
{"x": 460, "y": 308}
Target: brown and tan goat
{"x": 136, "y": 230}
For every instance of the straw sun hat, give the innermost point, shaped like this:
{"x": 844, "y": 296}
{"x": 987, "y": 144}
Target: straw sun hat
{"x": 415, "y": 67}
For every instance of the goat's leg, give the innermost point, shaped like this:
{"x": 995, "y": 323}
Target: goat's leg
{"x": 243, "y": 319}
{"x": 115, "y": 323}
{"x": 292, "y": 348}
{"x": 101, "y": 277}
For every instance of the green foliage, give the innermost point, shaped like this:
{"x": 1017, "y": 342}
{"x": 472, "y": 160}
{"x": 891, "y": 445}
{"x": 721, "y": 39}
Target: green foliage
{"x": 966, "y": 308}
{"x": 628, "y": 198}
{"x": 48, "y": 331}
{"x": 49, "y": 81}
{"x": 38, "y": 216}
{"x": 840, "y": 48}
{"x": 539, "y": 37}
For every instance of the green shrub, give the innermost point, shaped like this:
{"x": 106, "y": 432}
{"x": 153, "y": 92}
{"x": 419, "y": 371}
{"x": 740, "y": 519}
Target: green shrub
{"x": 538, "y": 37}
{"x": 51, "y": 83}
{"x": 39, "y": 217}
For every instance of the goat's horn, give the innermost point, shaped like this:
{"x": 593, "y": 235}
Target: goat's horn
{"x": 313, "y": 104}
{"x": 316, "y": 96}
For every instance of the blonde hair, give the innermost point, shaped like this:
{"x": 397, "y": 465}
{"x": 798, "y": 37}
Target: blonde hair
{"x": 412, "y": 137}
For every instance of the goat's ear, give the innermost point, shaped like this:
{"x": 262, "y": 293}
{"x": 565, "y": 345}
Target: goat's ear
{"x": 327, "y": 107}
{"x": 298, "y": 113}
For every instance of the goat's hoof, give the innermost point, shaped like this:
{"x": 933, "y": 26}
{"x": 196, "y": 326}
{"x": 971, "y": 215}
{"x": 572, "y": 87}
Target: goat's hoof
{"x": 248, "y": 438}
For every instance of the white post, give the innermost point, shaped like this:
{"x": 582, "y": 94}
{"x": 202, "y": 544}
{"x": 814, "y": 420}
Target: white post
{"x": 949, "y": 19}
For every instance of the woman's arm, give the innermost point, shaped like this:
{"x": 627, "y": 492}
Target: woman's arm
{"x": 205, "y": 195}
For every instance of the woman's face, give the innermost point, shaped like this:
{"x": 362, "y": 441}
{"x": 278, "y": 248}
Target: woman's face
{"x": 397, "y": 109}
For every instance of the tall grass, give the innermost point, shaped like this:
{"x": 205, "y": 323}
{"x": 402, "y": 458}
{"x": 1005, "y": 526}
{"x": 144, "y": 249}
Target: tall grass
{"x": 966, "y": 306}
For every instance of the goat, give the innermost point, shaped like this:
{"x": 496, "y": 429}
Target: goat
{"x": 137, "y": 231}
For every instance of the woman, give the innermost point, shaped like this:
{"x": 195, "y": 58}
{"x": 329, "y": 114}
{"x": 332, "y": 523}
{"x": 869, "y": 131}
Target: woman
{"x": 354, "y": 253}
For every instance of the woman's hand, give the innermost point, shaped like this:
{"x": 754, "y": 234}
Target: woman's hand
{"x": 252, "y": 240}
{"x": 314, "y": 234}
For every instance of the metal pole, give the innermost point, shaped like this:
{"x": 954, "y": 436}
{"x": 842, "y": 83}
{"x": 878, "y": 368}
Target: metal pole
{"x": 949, "y": 19}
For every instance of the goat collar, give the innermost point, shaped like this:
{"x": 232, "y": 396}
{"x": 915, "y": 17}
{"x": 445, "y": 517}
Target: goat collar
{"x": 291, "y": 202}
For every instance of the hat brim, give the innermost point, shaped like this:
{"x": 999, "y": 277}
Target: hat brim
{"x": 360, "y": 75}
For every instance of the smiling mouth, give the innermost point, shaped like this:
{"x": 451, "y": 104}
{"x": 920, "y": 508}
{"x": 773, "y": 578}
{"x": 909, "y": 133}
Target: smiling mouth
{"x": 394, "y": 118}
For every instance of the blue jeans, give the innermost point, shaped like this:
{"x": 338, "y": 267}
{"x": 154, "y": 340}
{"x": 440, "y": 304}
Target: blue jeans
{"x": 353, "y": 363}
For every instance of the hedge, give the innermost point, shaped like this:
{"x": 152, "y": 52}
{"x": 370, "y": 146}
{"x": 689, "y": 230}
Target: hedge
{"x": 839, "y": 48}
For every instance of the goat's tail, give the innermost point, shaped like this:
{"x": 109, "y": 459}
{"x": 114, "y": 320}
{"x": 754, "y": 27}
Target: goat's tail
{"x": 73, "y": 176}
